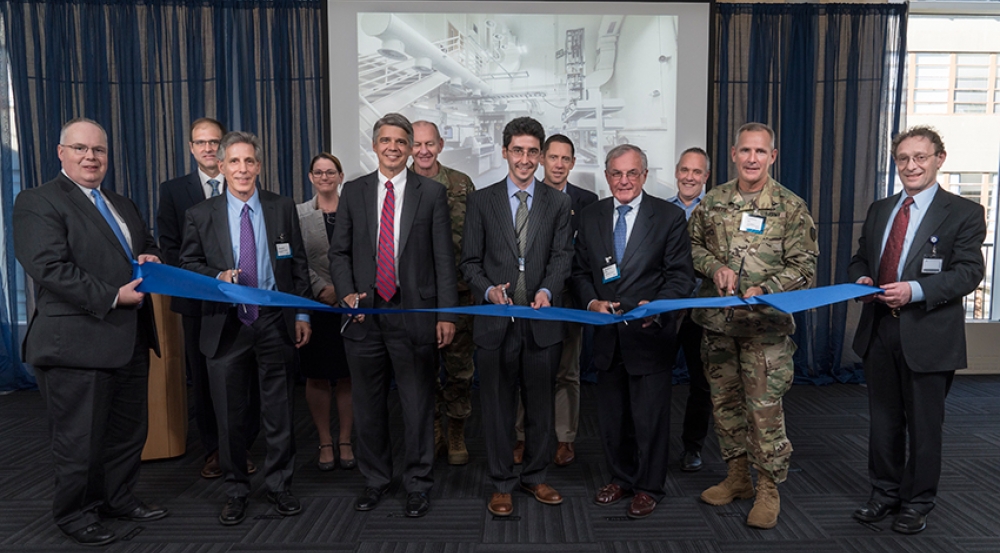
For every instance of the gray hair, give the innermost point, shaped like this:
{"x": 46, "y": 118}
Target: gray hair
{"x": 75, "y": 120}
{"x": 430, "y": 123}
{"x": 699, "y": 151}
{"x": 754, "y": 127}
{"x": 240, "y": 137}
{"x": 394, "y": 120}
{"x": 621, "y": 150}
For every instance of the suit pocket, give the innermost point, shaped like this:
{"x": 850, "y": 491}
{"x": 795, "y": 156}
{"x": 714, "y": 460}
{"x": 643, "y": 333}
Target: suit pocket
{"x": 428, "y": 291}
{"x": 60, "y": 309}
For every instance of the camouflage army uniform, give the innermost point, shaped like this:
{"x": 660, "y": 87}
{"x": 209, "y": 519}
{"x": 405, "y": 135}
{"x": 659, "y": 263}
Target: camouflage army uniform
{"x": 454, "y": 396}
{"x": 748, "y": 359}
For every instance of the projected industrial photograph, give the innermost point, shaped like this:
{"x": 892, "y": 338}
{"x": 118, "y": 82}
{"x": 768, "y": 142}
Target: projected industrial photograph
{"x": 602, "y": 80}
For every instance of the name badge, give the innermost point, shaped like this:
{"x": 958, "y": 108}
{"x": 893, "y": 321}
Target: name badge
{"x": 752, "y": 223}
{"x": 932, "y": 265}
{"x": 284, "y": 250}
{"x": 611, "y": 273}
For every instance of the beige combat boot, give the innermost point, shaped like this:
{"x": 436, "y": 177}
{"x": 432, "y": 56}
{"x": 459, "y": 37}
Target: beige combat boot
{"x": 767, "y": 505}
{"x": 737, "y": 484}
{"x": 440, "y": 445}
{"x": 457, "y": 453}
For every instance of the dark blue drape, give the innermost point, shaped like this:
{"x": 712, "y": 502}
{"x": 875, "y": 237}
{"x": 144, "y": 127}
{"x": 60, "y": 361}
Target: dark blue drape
{"x": 828, "y": 79}
{"x": 145, "y": 70}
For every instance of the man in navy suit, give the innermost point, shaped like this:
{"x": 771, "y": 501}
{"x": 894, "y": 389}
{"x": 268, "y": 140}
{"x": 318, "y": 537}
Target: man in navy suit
{"x": 924, "y": 247}
{"x": 176, "y": 196}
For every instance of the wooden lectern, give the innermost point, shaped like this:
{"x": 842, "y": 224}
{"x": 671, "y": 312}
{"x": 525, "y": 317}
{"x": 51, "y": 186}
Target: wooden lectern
{"x": 168, "y": 417}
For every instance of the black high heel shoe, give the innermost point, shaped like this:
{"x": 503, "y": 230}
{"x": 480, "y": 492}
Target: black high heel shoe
{"x": 347, "y": 464}
{"x": 325, "y": 467}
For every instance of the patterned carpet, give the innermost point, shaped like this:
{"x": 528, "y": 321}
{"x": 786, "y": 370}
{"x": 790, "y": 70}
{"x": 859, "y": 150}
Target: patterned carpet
{"x": 827, "y": 425}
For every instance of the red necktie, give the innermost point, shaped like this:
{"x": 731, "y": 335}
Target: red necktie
{"x": 889, "y": 265}
{"x": 385, "y": 274}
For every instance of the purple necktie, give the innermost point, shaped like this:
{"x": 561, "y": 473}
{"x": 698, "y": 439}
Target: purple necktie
{"x": 248, "y": 265}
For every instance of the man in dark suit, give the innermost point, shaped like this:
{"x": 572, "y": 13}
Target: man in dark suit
{"x": 392, "y": 248}
{"x": 517, "y": 249}
{"x": 631, "y": 249}
{"x": 90, "y": 335}
{"x": 176, "y": 196}
{"x": 558, "y": 159}
{"x": 250, "y": 237}
{"x": 924, "y": 248}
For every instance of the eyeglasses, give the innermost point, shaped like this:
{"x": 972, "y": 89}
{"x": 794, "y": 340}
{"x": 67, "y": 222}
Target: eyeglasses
{"x": 921, "y": 159}
{"x": 329, "y": 173}
{"x": 518, "y": 151}
{"x": 203, "y": 143}
{"x": 81, "y": 150}
{"x": 633, "y": 175}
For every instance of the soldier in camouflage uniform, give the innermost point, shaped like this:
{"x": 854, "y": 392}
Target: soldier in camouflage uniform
{"x": 751, "y": 236}
{"x": 454, "y": 399}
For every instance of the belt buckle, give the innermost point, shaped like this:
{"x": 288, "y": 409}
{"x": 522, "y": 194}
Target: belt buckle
{"x": 895, "y": 313}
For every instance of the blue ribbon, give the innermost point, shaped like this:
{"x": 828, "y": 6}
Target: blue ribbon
{"x": 172, "y": 281}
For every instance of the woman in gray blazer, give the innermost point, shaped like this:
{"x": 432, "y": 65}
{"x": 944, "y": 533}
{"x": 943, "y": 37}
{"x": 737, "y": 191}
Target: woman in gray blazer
{"x": 323, "y": 360}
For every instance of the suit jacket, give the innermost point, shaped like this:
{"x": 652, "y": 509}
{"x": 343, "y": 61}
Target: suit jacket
{"x": 933, "y": 331}
{"x": 490, "y": 253}
{"x": 313, "y": 225}
{"x": 207, "y": 249}
{"x": 656, "y": 265}
{"x": 580, "y": 199}
{"x": 425, "y": 260}
{"x": 77, "y": 263}
{"x": 176, "y": 196}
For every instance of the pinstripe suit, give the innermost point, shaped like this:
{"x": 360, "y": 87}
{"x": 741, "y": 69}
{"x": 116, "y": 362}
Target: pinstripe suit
{"x": 525, "y": 351}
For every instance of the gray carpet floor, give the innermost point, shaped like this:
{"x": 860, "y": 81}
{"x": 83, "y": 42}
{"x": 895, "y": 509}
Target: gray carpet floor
{"x": 827, "y": 425}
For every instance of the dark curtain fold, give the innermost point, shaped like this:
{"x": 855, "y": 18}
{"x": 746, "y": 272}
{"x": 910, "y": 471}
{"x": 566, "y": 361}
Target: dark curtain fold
{"x": 145, "y": 70}
{"x": 828, "y": 79}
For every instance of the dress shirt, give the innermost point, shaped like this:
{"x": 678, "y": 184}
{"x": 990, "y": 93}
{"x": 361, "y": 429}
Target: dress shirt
{"x": 265, "y": 272}
{"x": 114, "y": 212}
{"x": 398, "y": 189}
{"x": 688, "y": 209}
{"x": 921, "y": 202}
{"x": 629, "y": 217}
{"x": 207, "y": 188}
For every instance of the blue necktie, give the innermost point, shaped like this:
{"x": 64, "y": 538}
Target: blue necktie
{"x": 102, "y": 206}
{"x": 621, "y": 232}
{"x": 215, "y": 187}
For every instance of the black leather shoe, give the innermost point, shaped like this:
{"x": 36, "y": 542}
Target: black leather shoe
{"x": 95, "y": 534}
{"x": 874, "y": 511}
{"x": 285, "y": 503}
{"x": 417, "y": 504}
{"x": 368, "y": 499}
{"x": 909, "y": 522}
{"x": 691, "y": 461}
{"x": 144, "y": 513}
{"x": 234, "y": 511}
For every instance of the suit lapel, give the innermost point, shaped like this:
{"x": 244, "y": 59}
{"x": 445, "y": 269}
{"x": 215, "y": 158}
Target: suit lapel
{"x": 539, "y": 211}
{"x": 271, "y": 226}
{"x": 501, "y": 204}
{"x": 89, "y": 210}
{"x": 117, "y": 202}
{"x": 370, "y": 196}
{"x": 196, "y": 194}
{"x": 937, "y": 212}
{"x": 605, "y": 230}
{"x": 411, "y": 201}
{"x": 220, "y": 221}
{"x": 643, "y": 224}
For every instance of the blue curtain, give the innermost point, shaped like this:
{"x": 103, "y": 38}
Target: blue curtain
{"x": 828, "y": 78}
{"x": 145, "y": 70}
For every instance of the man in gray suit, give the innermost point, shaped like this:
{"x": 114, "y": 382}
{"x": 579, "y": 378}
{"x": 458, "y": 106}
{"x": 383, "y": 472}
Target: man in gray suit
{"x": 517, "y": 250}
{"x": 90, "y": 335}
{"x": 391, "y": 248}
{"x": 250, "y": 237}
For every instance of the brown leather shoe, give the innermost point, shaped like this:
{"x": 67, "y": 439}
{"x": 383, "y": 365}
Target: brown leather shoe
{"x": 212, "y": 469}
{"x": 544, "y": 493}
{"x": 500, "y": 505}
{"x": 610, "y": 494}
{"x": 642, "y": 506}
{"x": 565, "y": 454}
{"x": 518, "y": 452}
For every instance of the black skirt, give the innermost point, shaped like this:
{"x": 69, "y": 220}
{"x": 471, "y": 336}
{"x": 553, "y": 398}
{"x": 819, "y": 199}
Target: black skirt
{"x": 323, "y": 357}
